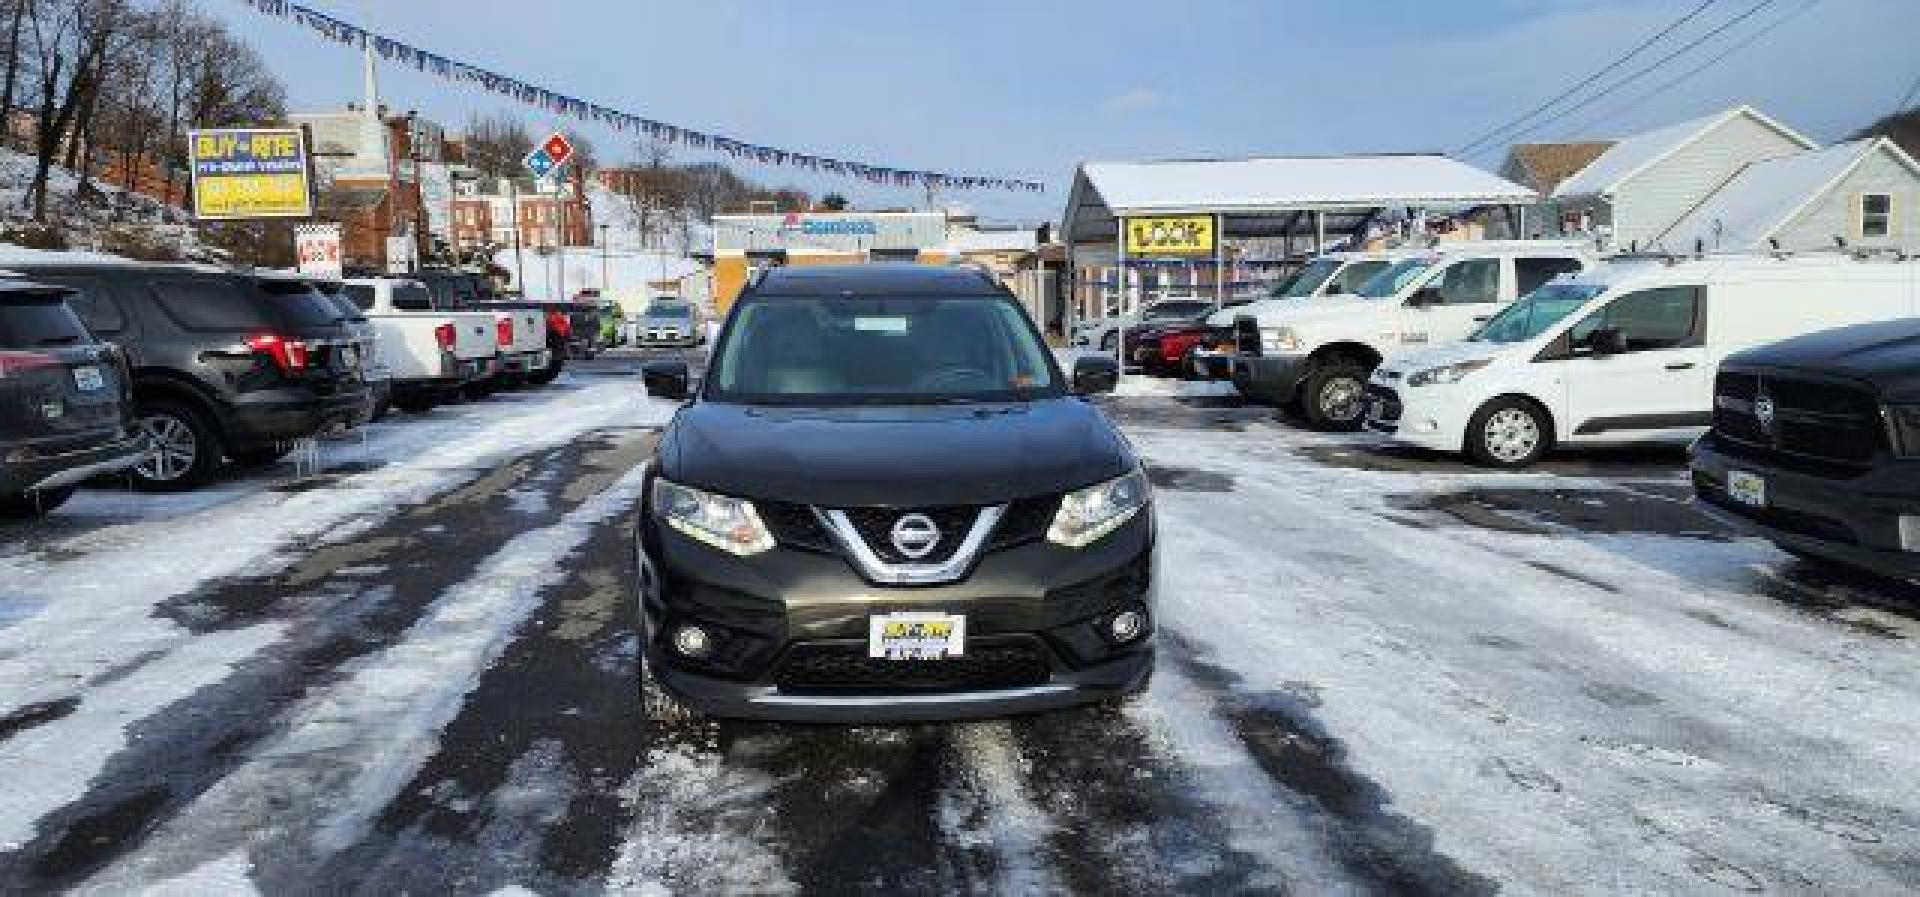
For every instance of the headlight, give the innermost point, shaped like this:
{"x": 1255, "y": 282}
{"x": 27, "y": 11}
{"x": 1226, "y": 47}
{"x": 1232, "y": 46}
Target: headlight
{"x": 1281, "y": 339}
{"x": 1087, "y": 514}
{"x": 729, "y": 524}
{"x": 1903, "y": 429}
{"x": 1450, "y": 373}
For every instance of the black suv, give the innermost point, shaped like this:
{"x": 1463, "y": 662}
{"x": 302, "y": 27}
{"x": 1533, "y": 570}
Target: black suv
{"x": 66, "y": 412}
{"x": 1816, "y": 444}
{"x": 885, "y": 502}
{"x": 224, "y": 365}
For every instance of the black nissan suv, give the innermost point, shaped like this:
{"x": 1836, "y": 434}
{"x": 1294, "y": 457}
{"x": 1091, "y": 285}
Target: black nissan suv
{"x": 65, "y": 407}
{"x": 1816, "y": 445}
{"x": 885, "y": 502}
{"x": 225, "y": 366}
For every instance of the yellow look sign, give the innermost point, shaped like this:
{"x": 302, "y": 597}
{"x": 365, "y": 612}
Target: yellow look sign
{"x": 1182, "y": 235}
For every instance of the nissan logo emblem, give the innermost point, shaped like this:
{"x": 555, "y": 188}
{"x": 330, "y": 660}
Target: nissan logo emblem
{"x": 1763, "y": 411}
{"x": 915, "y": 535}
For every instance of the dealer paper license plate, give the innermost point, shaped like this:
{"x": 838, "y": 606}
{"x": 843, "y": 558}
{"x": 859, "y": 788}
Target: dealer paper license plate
{"x": 1746, "y": 488}
{"x": 916, "y": 636}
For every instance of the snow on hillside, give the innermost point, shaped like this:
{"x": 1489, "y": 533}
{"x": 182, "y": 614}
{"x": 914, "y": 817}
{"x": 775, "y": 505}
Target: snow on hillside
{"x": 107, "y": 219}
{"x": 625, "y": 262}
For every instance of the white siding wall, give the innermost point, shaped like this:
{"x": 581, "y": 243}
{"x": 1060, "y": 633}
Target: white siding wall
{"x": 1653, "y": 200}
{"x": 1837, "y": 211}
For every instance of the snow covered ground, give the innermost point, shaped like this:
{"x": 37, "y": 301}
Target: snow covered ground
{"x": 1380, "y": 672}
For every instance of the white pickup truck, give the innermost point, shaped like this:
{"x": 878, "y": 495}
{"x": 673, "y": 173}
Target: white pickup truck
{"x": 1319, "y": 354}
{"x": 522, "y": 341}
{"x": 430, "y": 354}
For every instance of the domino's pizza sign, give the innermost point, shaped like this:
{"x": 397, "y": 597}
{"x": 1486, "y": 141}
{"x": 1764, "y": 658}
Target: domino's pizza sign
{"x": 546, "y": 158}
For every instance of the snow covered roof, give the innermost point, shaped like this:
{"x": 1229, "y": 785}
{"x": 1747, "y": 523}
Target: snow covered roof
{"x": 1766, "y": 195}
{"x": 1629, "y": 156}
{"x": 1299, "y": 182}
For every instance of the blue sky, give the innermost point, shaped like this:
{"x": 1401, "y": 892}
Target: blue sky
{"x": 1029, "y": 89}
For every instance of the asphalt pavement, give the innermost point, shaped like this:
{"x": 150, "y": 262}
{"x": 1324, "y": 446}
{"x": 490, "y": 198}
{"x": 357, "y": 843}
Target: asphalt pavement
{"x": 1380, "y": 672}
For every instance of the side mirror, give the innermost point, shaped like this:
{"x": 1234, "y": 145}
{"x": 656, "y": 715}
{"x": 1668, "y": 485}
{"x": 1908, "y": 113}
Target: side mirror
{"x": 1095, "y": 374}
{"x": 1607, "y": 341}
{"x": 1425, "y": 297}
{"x": 665, "y": 379}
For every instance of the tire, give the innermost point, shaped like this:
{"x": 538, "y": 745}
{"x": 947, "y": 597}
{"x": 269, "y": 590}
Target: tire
{"x": 1508, "y": 433}
{"x": 1333, "y": 396}
{"x": 261, "y": 456}
{"x": 549, "y": 373}
{"x": 33, "y": 505}
{"x": 480, "y": 389}
{"x": 188, "y": 451}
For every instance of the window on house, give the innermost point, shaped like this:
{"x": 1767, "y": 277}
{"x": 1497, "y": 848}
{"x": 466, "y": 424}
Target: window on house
{"x": 1876, "y": 214}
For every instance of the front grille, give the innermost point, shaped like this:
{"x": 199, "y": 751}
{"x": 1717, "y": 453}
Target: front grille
{"x": 797, "y": 526}
{"x": 1246, "y": 337}
{"x": 843, "y": 667}
{"x": 1821, "y": 421}
{"x": 1384, "y": 402}
{"x": 875, "y": 526}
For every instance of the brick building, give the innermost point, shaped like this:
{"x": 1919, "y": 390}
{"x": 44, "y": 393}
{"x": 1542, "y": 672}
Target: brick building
{"x": 549, "y": 214}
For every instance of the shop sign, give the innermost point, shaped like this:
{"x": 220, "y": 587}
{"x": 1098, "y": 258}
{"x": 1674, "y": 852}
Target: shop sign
{"x": 1177, "y": 235}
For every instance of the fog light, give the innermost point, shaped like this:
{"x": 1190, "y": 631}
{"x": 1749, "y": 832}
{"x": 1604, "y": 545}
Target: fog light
{"x": 1127, "y": 625}
{"x": 692, "y": 641}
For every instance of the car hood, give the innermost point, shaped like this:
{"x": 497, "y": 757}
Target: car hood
{"x": 1300, "y": 312}
{"x": 893, "y": 456}
{"x": 1884, "y": 353}
{"x": 1442, "y": 354}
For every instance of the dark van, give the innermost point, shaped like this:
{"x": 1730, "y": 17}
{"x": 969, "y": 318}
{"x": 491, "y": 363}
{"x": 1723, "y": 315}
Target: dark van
{"x": 66, "y": 410}
{"x": 225, "y": 366}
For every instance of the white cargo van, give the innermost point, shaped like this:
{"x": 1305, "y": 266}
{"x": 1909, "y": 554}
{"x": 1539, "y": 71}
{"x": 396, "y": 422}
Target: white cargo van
{"x": 1626, "y": 352}
{"x": 1320, "y": 353}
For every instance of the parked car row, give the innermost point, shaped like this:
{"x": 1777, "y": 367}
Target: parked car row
{"x": 172, "y": 372}
{"x": 1797, "y": 378}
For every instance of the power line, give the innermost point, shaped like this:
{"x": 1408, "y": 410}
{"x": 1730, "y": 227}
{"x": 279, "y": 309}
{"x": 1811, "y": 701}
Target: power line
{"x": 1635, "y": 103}
{"x": 1643, "y": 72}
{"x": 1590, "y": 78}
{"x": 1907, "y": 100}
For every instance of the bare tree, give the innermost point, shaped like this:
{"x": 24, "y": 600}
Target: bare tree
{"x": 496, "y": 143}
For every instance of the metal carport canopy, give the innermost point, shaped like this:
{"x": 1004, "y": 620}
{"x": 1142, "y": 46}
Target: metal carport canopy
{"x": 1277, "y": 186}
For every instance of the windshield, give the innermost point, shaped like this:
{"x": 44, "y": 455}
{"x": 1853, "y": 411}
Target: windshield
{"x": 668, "y": 311}
{"x": 1531, "y": 316}
{"x": 1395, "y": 278}
{"x": 832, "y": 351}
{"x": 1308, "y": 280}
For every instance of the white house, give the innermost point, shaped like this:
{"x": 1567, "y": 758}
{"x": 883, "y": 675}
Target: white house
{"x": 1635, "y": 191}
{"x": 1866, "y": 193}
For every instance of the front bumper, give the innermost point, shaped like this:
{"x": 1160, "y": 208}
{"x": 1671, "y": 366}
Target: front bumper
{"x": 1424, "y": 416}
{"x": 1270, "y": 379}
{"x": 778, "y": 609}
{"x": 1853, "y": 520}
{"x": 67, "y": 468}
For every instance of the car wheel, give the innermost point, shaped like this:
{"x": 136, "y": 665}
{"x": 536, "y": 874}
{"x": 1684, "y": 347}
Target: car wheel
{"x": 262, "y": 456}
{"x": 1333, "y": 397}
{"x": 1508, "y": 433}
{"x": 415, "y": 404}
{"x": 186, "y": 452}
{"x": 33, "y": 505}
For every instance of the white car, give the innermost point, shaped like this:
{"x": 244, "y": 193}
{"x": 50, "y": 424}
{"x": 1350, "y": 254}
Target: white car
{"x": 1626, "y": 353}
{"x": 1319, "y": 354}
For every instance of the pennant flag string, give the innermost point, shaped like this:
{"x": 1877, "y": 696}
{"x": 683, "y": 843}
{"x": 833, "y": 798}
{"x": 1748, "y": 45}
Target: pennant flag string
{"x": 458, "y": 72}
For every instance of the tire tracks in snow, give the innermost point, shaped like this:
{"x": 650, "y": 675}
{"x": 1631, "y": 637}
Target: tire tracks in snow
{"x": 337, "y": 613}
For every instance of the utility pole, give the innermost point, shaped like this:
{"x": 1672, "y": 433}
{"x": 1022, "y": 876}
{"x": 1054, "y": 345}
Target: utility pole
{"x": 561, "y": 195}
{"x": 519, "y": 265}
{"x": 606, "y": 277}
